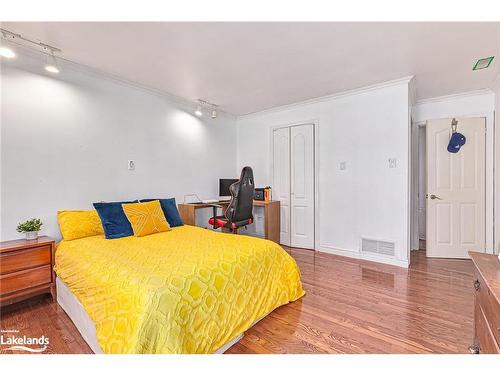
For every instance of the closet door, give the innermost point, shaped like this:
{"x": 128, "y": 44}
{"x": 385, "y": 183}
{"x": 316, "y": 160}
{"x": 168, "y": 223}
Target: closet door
{"x": 281, "y": 180}
{"x": 302, "y": 186}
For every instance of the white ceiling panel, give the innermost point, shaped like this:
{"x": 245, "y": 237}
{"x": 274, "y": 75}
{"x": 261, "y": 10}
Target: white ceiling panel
{"x": 249, "y": 67}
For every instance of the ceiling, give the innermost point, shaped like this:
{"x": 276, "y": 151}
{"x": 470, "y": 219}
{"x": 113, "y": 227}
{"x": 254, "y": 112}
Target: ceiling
{"x": 249, "y": 67}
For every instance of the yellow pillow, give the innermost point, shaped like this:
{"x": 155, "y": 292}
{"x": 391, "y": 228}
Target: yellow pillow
{"x": 79, "y": 224}
{"x": 146, "y": 218}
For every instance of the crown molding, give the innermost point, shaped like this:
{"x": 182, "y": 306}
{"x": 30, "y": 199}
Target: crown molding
{"x": 342, "y": 94}
{"x": 451, "y": 97}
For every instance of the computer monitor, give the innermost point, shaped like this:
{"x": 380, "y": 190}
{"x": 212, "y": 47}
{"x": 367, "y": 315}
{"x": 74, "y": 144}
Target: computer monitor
{"x": 224, "y": 184}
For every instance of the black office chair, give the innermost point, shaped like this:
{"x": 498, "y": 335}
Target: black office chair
{"x": 240, "y": 210}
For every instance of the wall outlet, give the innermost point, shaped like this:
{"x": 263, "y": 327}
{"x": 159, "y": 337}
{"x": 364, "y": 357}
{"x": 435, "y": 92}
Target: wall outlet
{"x": 131, "y": 165}
{"x": 342, "y": 166}
{"x": 393, "y": 162}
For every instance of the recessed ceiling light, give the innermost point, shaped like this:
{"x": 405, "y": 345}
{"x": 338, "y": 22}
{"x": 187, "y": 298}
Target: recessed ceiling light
{"x": 7, "y": 52}
{"x": 51, "y": 69}
{"x": 483, "y": 63}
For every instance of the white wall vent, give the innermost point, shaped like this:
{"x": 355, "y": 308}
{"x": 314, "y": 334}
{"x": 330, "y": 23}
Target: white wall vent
{"x": 377, "y": 247}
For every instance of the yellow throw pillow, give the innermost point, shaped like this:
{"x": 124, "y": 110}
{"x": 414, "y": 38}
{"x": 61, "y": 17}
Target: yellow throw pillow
{"x": 146, "y": 218}
{"x": 79, "y": 224}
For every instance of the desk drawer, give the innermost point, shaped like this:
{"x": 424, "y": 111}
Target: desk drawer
{"x": 13, "y": 282}
{"x": 24, "y": 259}
{"x": 489, "y": 305}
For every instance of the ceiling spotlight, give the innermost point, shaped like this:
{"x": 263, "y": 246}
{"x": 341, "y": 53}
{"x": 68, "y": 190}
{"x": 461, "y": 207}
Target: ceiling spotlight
{"x": 210, "y": 107}
{"x": 51, "y": 69}
{"x": 198, "y": 111}
{"x": 7, "y": 52}
{"x": 51, "y": 64}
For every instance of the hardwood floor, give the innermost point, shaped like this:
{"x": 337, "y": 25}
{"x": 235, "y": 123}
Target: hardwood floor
{"x": 350, "y": 306}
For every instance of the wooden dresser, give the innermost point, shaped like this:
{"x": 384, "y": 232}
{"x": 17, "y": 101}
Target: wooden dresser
{"x": 26, "y": 269}
{"x": 486, "y": 303}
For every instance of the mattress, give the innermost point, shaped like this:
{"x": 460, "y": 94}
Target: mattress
{"x": 189, "y": 290}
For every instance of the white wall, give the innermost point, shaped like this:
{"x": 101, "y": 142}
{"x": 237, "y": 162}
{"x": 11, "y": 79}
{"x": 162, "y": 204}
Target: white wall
{"x": 363, "y": 128}
{"x": 479, "y": 103}
{"x": 66, "y": 141}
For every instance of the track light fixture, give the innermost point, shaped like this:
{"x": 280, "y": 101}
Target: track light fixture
{"x": 198, "y": 111}
{"x": 48, "y": 51}
{"x": 204, "y": 104}
{"x": 7, "y": 53}
{"x": 51, "y": 65}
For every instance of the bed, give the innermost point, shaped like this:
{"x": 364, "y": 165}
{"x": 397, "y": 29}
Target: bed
{"x": 188, "y": 290}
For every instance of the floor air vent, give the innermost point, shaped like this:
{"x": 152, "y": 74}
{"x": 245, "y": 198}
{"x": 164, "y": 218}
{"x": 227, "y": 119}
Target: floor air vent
{"x": 377, "y": 247}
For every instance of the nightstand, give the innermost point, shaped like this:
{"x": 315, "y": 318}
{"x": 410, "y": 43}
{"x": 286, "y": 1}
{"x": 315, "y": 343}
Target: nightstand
{"x": 26, "y": 269}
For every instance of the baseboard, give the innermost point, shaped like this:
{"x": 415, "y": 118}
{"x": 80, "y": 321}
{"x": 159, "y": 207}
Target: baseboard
{"x": 358, "y": 255}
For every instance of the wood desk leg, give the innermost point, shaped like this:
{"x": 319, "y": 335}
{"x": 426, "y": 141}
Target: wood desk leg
{"x": 272, "y": 222}
{"x": 187, "y": 213}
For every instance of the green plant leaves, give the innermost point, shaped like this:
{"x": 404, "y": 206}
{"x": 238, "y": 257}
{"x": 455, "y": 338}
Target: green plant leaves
{"x": 32, "y": 225}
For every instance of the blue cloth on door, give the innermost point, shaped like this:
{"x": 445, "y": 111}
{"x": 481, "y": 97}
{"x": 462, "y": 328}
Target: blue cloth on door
{"x": 457, "y": 140}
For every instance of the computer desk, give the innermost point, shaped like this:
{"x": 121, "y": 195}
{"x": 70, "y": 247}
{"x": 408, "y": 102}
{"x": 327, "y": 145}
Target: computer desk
{"x": 271, "y": 215}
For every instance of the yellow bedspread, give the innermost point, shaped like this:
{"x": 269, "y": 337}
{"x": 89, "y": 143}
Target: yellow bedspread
{"x": 189, "y": 290}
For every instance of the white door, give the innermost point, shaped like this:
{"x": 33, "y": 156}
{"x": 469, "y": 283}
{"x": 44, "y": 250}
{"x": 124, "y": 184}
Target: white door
{"x": 455, "y": 189}
{"x": 302, "y": 186}
{"x": 281, "y": 180}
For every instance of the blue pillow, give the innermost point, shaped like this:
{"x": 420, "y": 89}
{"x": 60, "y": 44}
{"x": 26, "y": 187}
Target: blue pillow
{"x": 113, "y": 219}
{"x": 169, "y": 210}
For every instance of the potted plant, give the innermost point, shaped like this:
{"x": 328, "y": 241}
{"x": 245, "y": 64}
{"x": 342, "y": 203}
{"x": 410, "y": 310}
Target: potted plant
{"x": 31, "y": 228}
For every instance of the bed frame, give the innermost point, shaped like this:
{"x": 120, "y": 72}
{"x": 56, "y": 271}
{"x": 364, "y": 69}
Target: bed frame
{"x": 85, "y": 325}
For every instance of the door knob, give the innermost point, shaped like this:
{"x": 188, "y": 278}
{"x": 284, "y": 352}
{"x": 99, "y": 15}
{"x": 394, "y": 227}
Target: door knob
{"x": 435, "y": 197}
